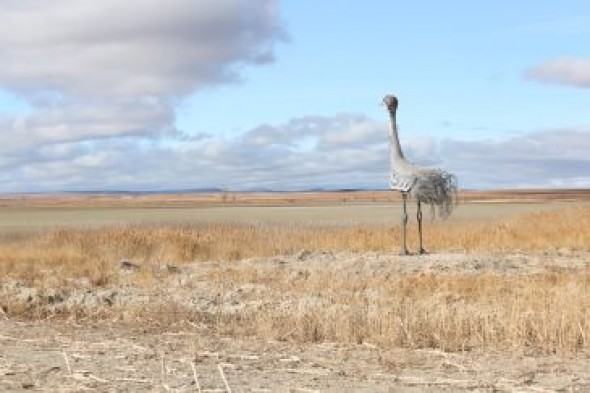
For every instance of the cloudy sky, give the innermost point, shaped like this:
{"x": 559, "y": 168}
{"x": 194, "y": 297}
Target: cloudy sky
{"x": 284, "y": 94}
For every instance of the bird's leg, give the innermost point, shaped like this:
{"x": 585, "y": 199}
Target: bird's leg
{"x": 419, "y": 217}
{"x": 404, "y": 250}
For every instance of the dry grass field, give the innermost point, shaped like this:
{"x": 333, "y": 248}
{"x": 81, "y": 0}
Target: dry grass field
{"x": 91, "y": 252}
{"x": 269, "y": 198}
{"x": 502, "y": 302}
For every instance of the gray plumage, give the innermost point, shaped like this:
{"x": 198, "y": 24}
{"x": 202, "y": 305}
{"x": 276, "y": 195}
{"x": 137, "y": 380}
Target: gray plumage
{"x": 431, "y": 186}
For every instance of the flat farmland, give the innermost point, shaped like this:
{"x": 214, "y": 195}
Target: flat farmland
{"x": 26, "y": 219}
{"x": 17, "y": 215}
{"x": 293, "y": 292}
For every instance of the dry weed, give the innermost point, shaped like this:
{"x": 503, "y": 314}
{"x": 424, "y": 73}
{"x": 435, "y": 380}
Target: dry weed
{"x": 549, "y": 311}
{"x": 95, "y": 253}
{"x": 449, "y": 312}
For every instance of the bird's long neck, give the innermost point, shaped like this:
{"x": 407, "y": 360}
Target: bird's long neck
{"x": 395, "y": 150}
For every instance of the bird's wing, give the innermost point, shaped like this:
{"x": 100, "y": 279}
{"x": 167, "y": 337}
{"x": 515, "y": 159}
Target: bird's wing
{"x": 401, "y": 183}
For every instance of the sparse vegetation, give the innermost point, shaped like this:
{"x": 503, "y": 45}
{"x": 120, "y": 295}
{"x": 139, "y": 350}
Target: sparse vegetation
{"x": 500, "y": 304}
{"x": 451, "y": 311}
{"x": 81, "y": 252}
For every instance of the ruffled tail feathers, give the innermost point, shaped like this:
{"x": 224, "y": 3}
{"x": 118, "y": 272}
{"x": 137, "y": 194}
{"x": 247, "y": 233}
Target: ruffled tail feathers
{"x": 438, "y": 189}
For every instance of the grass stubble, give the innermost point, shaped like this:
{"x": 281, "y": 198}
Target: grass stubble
{"x": 547, "y": 311}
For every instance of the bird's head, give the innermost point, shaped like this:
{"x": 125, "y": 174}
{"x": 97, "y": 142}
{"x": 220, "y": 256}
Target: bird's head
{"x": 390, "y": 101}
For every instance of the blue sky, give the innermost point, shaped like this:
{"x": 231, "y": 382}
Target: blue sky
{"x": 285, "y": 94}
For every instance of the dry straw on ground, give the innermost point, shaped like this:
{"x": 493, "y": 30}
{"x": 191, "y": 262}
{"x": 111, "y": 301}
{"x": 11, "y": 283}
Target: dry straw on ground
{"x": 548, "y": 311}
{"x": 453, "y": 312}
{"x": 92, "y": 252}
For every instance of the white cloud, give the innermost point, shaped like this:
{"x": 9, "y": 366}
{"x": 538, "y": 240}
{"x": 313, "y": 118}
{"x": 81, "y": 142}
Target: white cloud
{"x": 83, "y": 120}
{"x": 566, "y": 71}
{"x": 325, "y": 131}
{"x": 540, "y": 159}
{"x": 280, "y": 162}
{"x": 545, "y": 158}
{"x": 102, "y": 77}
{"x": 113, "y": 68}
{"x": 130, "y": 48}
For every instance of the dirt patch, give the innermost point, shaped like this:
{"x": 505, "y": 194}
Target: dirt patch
{"x": 246, "y": 284}
{"x": 202, "y": 326}
{"x": 67, "y": 357}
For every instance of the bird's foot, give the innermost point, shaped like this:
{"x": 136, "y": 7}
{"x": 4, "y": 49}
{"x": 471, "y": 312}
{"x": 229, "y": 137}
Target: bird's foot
{"x": 422, "y": 252}
{"x": 404, "y": 252}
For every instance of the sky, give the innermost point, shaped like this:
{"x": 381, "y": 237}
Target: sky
{"x": 149, "y": 95}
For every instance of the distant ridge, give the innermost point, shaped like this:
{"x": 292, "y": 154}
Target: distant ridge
{"x": 204, "y": 191}
{"x": 146, "y": 192}
{"x": 217, "y": 190}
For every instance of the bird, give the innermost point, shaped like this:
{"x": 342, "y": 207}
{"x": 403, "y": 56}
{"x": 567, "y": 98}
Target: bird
{"x": 431, "y": 186}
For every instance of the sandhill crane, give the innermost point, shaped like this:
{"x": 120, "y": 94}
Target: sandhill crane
{"x": 431, "y": 186}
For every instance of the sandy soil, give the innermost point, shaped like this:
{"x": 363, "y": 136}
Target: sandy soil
{"x": 48, "y": 357}
{"x": 120, "y": 354}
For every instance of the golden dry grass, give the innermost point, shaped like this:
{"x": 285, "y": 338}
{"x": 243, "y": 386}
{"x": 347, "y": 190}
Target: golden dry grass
{"x": 453, "y": 312}
{"x": 270, "y": 198}
{"x": 549, "y": 311}
{"x": 94, "y": 252}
